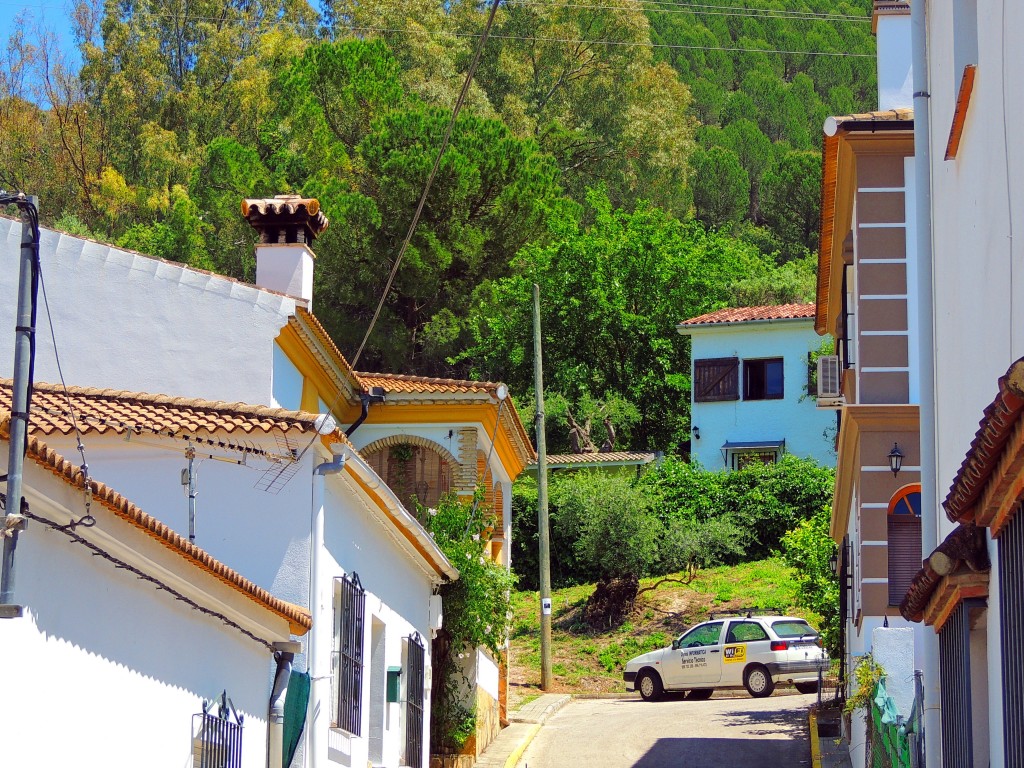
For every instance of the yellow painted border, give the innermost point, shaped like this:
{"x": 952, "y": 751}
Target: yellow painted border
{"x": 812, "y": 719}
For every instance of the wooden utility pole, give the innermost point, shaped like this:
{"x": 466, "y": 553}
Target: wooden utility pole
{"x": 542, "y": 502}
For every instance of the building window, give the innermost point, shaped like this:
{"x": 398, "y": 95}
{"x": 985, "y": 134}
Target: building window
{"x": 904, "y": 540}
{"x": 217, "y": 738}
{"x": 762, "y": 379}
{"x": 415, "y": 668}
{"x": 716, "y": 379}
{"x": 349, "y": 620}
{"x": 743, "y": 459}
{"x": 1011, "y": 629}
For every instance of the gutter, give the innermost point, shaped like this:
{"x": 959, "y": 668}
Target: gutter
{"x": 415, "y": 534}
{"x": 284, "y": 654}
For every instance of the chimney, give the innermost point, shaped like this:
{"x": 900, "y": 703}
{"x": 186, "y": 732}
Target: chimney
{"x": 890, "y": 21}
{"x": 288, "y": 224}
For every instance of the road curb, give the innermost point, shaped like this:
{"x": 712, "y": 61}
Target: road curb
{"x": 517, "y": 752}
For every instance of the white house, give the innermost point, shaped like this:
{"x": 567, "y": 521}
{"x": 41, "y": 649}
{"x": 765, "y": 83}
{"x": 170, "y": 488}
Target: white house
{"x": 290, "y": 498}
{"x": 153, "y": 650}
{"x": 750, "y": 399}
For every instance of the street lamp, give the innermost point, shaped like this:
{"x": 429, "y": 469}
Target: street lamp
{"x": 895, "y": 459}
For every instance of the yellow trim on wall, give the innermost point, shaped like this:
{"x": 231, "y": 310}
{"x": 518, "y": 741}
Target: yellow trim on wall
{"x": 316, "y": 383}
{"x": 484, "y": 414}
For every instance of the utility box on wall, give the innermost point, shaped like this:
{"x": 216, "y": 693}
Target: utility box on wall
{"x": 394, "y": 692}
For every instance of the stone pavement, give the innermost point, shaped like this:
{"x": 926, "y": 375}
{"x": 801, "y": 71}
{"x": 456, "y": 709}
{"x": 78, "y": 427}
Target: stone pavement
{"x": 505, "y": 751}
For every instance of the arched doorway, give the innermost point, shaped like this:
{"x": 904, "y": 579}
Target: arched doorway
{"x": 414, "y": 471}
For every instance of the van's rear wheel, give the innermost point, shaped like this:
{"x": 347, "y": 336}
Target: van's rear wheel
{"x": 758, "y": 681}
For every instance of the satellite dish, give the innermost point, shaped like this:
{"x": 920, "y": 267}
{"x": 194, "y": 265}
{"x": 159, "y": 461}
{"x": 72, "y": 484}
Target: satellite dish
{"x": 325, "y": 424}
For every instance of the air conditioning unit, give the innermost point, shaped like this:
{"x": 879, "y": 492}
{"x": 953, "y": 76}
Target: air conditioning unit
{"x": 829, "y": 379}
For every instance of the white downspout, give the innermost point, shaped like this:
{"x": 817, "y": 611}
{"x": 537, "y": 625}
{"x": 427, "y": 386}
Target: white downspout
{"x": 284, "y": 654}
{"x": 314, "y": 662}
{"x": 926, "y": 362}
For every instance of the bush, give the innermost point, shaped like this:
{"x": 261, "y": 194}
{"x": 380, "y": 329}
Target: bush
{"x": 808, "y": 548}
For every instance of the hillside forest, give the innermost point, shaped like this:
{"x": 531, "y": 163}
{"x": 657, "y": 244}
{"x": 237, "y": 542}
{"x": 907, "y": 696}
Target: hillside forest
{"x": 643, "y": 161}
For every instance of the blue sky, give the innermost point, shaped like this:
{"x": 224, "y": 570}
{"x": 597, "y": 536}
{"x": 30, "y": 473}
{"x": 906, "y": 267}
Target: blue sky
{"x": 52, "y": 14}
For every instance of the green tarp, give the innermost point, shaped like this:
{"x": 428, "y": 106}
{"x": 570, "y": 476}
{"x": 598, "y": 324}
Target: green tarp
{"x": 296, "y": 703}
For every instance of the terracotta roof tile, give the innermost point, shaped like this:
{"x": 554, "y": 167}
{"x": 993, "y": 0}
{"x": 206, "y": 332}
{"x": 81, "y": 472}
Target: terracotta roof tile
{"x": 395, "y": 382}
{"x": 298, "y": 619}
{"x": 998, "y": 422}
{"x": 611, "y": 457}
{"x": 118, "y": 412}
{"x": 753, "y": 314}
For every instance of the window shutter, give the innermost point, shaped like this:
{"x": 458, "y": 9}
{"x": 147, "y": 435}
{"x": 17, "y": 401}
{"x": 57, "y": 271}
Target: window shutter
{"x": 904, "y": 554}
{"x": 716, "y": 379}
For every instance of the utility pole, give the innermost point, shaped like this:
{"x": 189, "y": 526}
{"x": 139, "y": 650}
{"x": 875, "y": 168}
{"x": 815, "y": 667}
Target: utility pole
{"x": 190, "y": 454}
{"x": 14, "y": 522}
{"x": 542, "y": 501}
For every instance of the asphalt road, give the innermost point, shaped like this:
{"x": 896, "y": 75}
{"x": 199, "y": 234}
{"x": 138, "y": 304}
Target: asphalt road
{"x": 674, "y": 733}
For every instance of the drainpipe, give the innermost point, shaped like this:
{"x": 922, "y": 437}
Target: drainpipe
{"x": 284, "y": 654}
{"x": 314, "y": 663}
{"x": 926, "y": 319}
{"x": 375, "y": 395}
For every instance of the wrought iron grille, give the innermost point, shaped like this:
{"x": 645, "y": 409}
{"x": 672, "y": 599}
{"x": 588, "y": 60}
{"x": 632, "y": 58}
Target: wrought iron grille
{"x": 414, "y": 703}
{"x": 955, "y": 674}
{"x": 351, "y": 605}
{"x": 1011, "y": 628}
{"x": 217, "y": 742}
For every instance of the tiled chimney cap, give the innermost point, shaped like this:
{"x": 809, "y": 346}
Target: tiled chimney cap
{"x": 285, "y": 218}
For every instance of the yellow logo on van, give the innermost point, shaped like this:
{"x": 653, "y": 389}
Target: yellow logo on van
{"x": 735, "y": 654}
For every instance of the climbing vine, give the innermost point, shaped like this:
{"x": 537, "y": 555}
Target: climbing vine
{"x": 476, "y": 610}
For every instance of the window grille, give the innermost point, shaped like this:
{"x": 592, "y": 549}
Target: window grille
{"x": 414, "y": 702}
{"x": 351, "y": 603}
{"x": 1011, "y": 628}
{"x": 955, "y": 674}
{"x": 216, "y": 740}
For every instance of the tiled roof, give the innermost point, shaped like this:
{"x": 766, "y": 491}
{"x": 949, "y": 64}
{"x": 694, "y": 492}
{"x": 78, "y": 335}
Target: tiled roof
{"x": 298, "y": 619}
{"x": 997, "y": 426}
{"x": 596, "y": 459}
{"x": 395, "y": 382}
{"x": 753, "y": 314}
{"x": 118, "y": 412}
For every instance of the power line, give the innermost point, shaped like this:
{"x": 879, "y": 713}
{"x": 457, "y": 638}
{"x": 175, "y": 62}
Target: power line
{"x": 621, "y": 43}
{"x": 664, "y": 6}
{"x": 430, "y": 179}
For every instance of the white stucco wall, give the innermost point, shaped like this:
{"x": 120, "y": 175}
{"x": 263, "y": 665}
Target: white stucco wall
{"x": 808, "y": 431}
{"x": 103, "y": 668}
{"x": 127, "y": 321}
{"x": 977, "y": 200}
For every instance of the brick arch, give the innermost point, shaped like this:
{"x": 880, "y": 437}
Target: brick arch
{"x": 428, "y": 474}
{"x": 421, "y": 442}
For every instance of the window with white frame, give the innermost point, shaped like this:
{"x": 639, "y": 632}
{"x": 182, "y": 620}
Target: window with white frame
{"x": 349, "y": 623}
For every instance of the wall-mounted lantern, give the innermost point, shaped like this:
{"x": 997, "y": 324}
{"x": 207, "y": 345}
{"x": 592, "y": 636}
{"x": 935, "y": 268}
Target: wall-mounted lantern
{"x": 696, "y": 432}
{"x": 895, "y": 459}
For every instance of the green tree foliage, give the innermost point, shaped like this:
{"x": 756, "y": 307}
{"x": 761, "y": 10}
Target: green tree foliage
{"x": 612, "y": 292}
{"x": 791, "y": 198}
{"x": 721, "y": 187}
{"x": 682, "y": 517}
{"x": 808, "y": 548}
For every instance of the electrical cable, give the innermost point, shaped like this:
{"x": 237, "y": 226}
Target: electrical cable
{"x": 621, "y": 43}
{"x": 430, "y": 179}
{"x": 142, "y": 575}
